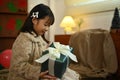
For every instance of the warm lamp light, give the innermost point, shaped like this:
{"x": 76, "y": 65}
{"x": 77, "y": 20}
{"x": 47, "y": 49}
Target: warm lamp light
{"x": 67, "y": 23}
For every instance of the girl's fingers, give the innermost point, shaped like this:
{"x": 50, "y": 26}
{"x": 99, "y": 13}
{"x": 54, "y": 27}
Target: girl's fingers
{"x": 49, "y": 77}
{"x": 43, "y": 73}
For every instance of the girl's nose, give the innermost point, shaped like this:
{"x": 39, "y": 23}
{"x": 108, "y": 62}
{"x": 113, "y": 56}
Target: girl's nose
{"x": 46, "y": 29}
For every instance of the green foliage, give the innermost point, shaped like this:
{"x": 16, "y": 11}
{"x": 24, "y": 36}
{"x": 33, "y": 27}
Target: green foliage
{"x": 12, "y": 7}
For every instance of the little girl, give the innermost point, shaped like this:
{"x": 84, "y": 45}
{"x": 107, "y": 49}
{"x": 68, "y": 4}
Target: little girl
{"x": 29, "y": 46}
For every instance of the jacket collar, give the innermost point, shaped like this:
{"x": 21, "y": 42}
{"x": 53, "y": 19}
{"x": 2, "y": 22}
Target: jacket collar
{"x": 32, "y": 37}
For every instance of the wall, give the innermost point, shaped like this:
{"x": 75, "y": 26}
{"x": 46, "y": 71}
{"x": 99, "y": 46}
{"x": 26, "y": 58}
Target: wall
{"x": 60, "y": 13}
{"x": 32, "y": 3}
{"x": 95, "y": 20}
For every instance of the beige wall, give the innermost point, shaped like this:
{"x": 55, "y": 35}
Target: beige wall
{"x": 95, "y": 20}
{"x": 32, "y": 3}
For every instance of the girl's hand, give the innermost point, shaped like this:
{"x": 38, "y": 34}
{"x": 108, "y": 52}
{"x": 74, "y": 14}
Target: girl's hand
{"x": 44, "y": 75}
{"x": 48, "y": 44}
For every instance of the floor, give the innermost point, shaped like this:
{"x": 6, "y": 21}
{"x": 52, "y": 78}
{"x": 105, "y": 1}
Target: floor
{"x": 113, "y": 77}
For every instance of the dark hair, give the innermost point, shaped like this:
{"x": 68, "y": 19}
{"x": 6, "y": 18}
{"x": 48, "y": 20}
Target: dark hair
{"x": 44, "y": 11}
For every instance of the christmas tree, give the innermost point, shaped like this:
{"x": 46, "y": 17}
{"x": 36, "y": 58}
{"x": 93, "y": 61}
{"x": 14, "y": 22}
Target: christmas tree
{"x": 116, "y": 20}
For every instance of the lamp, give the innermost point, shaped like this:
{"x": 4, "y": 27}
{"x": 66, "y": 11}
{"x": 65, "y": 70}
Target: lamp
{"x": 67, "y": 23}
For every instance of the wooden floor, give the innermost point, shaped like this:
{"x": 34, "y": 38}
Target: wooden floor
{"x": 113, "y": 77}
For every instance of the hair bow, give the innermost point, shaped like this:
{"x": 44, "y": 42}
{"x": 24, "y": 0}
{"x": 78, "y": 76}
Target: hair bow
{"x": 35, "y": 14}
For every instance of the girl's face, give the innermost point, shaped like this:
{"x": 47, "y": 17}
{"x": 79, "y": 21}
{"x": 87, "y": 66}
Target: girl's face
{"x": 41, "y": 26}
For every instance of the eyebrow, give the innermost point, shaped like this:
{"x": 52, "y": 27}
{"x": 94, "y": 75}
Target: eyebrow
{"x": 49, "y": 21}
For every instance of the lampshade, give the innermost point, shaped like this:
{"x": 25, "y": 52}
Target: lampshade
{"x": 67, "y": 23}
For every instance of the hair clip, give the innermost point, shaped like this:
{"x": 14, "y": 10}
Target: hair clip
{"x": 35, "y": 14}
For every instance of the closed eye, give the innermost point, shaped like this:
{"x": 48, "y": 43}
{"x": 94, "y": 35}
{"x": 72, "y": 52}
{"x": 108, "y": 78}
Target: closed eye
{"x": 45, "y": 25}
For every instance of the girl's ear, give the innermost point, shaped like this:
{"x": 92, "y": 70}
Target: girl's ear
{"x": 34, "y": 21}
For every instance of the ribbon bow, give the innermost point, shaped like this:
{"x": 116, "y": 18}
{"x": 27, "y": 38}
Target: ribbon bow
{"x": 54, "y": 52}
{"x": 35, "y": 14}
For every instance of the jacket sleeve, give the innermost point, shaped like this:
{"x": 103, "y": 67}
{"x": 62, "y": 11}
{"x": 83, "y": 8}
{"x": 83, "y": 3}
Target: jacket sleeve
{"x": 20, "y": 60}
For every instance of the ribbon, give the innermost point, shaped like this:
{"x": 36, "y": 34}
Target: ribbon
{"x": 35, "y": 14}
{"x": 51, "y": 67}
{"x": 54, "y": 52}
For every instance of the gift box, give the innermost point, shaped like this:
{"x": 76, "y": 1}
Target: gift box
{"x": 56, "y": 59}
{"x": 56, "y": 67}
